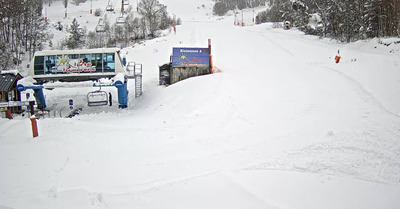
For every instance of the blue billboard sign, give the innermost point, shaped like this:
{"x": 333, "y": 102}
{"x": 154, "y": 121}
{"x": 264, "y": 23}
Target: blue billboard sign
{"x": 190, "y": 56}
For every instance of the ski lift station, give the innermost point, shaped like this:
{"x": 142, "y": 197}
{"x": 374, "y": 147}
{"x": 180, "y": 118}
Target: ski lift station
{"x": 66, "y": 66}
{"x": 186, "y": 62}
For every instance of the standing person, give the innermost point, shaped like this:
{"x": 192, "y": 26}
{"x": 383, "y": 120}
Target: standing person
{"x": 124, "y": 60}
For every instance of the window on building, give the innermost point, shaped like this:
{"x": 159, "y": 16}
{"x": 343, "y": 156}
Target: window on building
{"x": 85, "y": 58}
{"x": 109, "y": 62}
{"x": 73, "y": 56}
{"x": 39, "y": 65}
{"x": 50, "y": 64}
{"x": 97, "y": 62}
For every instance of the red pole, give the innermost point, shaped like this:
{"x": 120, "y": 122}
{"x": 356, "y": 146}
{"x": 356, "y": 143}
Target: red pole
{"x": 34, "y": 128}
{"x": 45, "y": 15}
{"x": 209, "y": 53}
{"x": 9, "y": 115}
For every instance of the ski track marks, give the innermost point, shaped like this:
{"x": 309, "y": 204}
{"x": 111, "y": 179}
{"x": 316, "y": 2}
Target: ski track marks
{"x": 363, "y": 92}
{"x": 369, "y": 156}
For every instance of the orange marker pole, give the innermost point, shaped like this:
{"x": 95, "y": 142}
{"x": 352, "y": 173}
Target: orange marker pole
{"x": 34, "y": 127}
{"x": 211, "y": 65}
{"x": 337, "y": 59}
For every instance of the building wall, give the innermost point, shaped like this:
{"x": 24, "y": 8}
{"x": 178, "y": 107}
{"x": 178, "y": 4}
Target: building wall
{"x": 183, "y": 72}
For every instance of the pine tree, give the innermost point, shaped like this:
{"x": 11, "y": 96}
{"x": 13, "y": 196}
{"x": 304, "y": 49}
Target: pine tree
{"x": 76, "y": 39}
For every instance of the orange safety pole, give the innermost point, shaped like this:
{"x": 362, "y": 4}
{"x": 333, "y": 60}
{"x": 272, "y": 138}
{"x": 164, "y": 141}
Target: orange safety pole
{"x": 34, "y": 127}
{"x": 211, "y": 65}
{"x": 337, "y": 57}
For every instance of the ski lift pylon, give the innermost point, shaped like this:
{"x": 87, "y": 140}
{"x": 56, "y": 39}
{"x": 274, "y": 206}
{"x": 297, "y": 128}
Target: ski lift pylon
{"x": 97, "y": 98}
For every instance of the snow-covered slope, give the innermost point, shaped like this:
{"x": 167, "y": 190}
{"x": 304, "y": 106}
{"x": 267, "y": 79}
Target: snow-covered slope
{"x": 281, "y": 126}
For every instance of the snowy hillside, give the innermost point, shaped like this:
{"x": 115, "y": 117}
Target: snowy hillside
{"x": 281, "y": 126}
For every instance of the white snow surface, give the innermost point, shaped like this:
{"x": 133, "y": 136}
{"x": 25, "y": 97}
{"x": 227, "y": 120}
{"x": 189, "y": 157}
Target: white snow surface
{"x": 279, "y": 126}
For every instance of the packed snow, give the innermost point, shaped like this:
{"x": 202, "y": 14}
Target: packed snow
{"x": 280, "y": 125}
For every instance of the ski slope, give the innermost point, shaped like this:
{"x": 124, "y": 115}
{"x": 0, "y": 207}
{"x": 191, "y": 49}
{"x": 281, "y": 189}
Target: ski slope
{"x": 280, "y": 126}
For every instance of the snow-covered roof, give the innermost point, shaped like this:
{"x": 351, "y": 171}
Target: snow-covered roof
{"x": 7, "y": 80}
{"x": 77, "y": 51}
{"x": 15, "y": 72}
